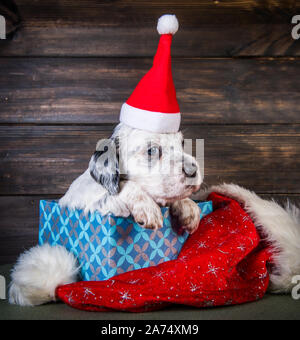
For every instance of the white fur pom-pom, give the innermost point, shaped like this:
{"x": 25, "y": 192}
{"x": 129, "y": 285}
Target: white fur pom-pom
{"x": 38, "y": 273}
{"x": 168, "y": 24}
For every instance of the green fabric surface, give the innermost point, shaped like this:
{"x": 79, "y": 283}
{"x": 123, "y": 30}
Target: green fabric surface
{"x": 272, "y": 307}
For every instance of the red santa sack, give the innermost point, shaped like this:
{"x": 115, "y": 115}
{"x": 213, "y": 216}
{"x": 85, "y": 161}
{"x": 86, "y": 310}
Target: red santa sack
{"x": 223, "y": 263}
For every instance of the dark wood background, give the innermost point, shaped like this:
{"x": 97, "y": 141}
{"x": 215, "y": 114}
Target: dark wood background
{"x": 71, "y": 64}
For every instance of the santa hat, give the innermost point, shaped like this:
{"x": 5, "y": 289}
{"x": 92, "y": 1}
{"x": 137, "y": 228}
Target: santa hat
{"x": 153, "y": 105}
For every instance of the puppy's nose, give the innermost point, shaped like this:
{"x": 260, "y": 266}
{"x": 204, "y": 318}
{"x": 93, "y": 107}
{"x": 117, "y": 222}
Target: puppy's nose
{"x": 190, "y": 170}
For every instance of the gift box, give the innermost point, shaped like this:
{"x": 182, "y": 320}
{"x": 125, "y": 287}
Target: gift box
{"x": 106, "y": 246}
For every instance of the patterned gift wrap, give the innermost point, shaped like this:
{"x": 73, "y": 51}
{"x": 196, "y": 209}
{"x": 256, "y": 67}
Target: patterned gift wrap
{"x": 106, "y": 246}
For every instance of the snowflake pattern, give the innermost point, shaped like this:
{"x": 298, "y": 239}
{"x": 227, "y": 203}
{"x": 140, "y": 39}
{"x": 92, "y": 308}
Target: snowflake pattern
{"x": 209, "y": 221}
{"x": 201, "y": 245}
{"x": 194, "y": 288}
{"x": 133, "y": 282}
{"x": 87, "y": 292}
{"x": 160, "y": 275}
{"x": 70, "y": 298}
{"x": 241, "y": 248}
{"x": 213, "y": 270}
{"x": 125, "y": 297}
{"x": 246, "y": 219}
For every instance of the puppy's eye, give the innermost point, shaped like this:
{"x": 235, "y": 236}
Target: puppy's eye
{"x": 183, "y": 143}
{"x": 154, "y": 151}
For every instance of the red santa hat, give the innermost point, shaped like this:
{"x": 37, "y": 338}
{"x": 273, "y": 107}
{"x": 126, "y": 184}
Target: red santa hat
{"x": 153, "y": 105}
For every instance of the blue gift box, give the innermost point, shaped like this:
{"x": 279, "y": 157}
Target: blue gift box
{"x": 106, "y": 246}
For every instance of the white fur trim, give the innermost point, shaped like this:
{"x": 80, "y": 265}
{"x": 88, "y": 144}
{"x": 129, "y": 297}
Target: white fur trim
{"x": 281, "y": 228}
{"x": 150, "y": 121}
{"x": 39, "y": 272}
{"x": 167, "y": 24}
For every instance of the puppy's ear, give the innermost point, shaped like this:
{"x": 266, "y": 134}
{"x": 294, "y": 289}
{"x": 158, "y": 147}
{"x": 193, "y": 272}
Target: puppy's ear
{"x": 104, "y": 166}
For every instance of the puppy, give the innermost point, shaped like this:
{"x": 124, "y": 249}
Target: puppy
{"x": 136, "y": 172}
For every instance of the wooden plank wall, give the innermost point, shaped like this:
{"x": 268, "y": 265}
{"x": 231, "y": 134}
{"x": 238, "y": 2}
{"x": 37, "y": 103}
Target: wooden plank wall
{"x": 72, "y": 63}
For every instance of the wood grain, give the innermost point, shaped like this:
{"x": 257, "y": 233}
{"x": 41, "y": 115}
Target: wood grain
{"x": 19, "y": 223}
{"x": 91, "y": 91}
{"x": 66, "y": 72}
{"x": 127, "y": 28}
{"x": 46, "y": 159}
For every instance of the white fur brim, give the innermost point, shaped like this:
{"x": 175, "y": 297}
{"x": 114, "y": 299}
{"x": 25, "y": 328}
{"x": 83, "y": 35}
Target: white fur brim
{"x": 150, "y": 121}
{"x": 39, "y": 272}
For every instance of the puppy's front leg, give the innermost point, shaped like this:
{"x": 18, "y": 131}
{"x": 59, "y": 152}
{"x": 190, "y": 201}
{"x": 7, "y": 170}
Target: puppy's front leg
{"x": 187, "y": 213}
{"x": 141, "y": 206}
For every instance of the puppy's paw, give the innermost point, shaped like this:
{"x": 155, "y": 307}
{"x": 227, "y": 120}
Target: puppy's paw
{"x": 147, "y": 213}
{"x": 112, "y": 205}
{"x": 187, "y": 214}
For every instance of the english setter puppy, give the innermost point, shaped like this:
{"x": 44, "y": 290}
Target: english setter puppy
{"x": 135, "y": 172}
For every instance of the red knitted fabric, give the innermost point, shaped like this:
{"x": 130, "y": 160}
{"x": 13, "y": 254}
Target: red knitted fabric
{"x": 223, "y": 263}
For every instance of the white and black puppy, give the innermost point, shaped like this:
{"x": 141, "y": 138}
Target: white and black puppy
{"x": 134, "y": 173}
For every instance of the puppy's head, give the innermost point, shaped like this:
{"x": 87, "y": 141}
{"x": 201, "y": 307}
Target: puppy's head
{"x": 156, "y": 162}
